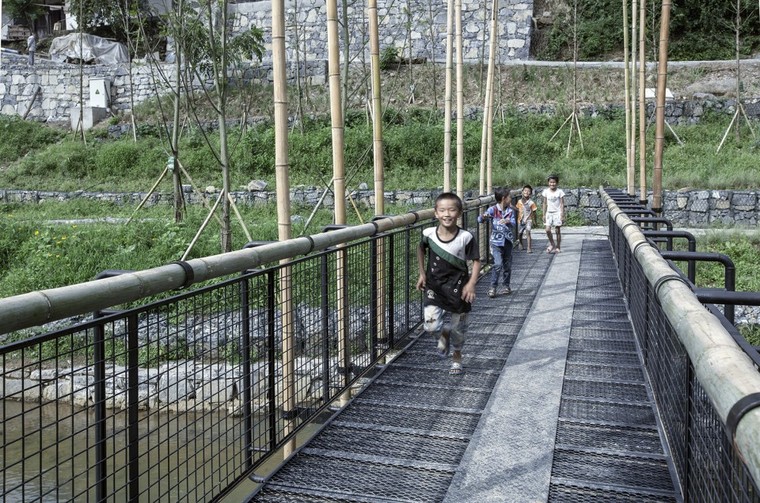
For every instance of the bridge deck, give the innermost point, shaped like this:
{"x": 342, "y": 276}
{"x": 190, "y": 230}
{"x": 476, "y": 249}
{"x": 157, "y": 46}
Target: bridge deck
{"x": 553, "y": 404}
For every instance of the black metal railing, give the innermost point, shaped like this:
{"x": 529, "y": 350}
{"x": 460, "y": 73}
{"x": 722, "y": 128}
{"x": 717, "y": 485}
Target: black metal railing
{"x": 181, "y": 399}
{"x": 708, "y": 462}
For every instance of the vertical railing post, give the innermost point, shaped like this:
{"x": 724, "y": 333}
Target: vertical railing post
{"x": 341, "y": 305}
{"x": 410, "y": 281}
{"x": 245, "y": 315}
{"x": 374, "y": 295}
{"x": 245, "y": 312}
{"x": 101, "y": 466}
{"x": 99, "y": 354}
{"x": 133, "y": 433}
{"x": 325, "y": 328}
{"x": 380, "y": 297}
{"x": 687, "y": 430}
{"x": 391, "y": 308}
{"x": 730, "y": 284}
{"x": 344, "y": 351}
{"x": 271, "y": 356}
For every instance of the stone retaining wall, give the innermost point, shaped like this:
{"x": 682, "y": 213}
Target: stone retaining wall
{"x": 59, "y": 92}
{"x": 685, "y": 208}
{"x": 425, "y": 28}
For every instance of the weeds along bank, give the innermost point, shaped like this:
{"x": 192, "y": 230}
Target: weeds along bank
{"x": 527, "y": 147}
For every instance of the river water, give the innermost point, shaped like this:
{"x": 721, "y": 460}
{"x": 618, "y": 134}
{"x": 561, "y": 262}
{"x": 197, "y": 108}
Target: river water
{"x": 182, "y": 457}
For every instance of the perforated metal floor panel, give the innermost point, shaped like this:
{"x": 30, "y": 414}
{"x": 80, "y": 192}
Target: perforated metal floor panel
{"x": 608, "y": 447}
{"x": 403, "y": 437}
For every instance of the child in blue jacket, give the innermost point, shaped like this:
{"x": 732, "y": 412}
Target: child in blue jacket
{"x": 503, "y": 221}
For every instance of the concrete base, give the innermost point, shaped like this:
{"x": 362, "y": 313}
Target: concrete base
{"x": 90, "y": 116}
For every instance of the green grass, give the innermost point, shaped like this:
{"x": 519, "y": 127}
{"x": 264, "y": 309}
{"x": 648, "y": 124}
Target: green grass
{"x": 524, "y": 152}
{"x": 743, "y": 248}
{"x": 40, "y": 249}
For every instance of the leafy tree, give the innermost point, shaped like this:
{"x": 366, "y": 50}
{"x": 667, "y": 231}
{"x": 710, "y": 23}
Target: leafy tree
{"x": 210, "y": 52}
{"x": 28, "y": 10}
{"x": 698, "y": 30}
{"x": 94, "y": 13}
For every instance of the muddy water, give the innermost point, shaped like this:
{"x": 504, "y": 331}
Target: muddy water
{"x": 182, "y": 457}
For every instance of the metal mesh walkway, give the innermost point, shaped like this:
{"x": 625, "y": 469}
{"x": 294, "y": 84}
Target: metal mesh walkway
{"x": 608, "y": 444}
{"x": 409, "y": 436}
{"x": 403, "y": 437}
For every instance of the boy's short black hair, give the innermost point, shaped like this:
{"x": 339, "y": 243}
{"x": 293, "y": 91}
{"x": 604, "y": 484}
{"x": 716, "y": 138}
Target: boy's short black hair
{"x": 553, "y": 177}
{"x": 451, "y": 197}
{"x": 527, "y": 186}
{"x": 500, "y": 193}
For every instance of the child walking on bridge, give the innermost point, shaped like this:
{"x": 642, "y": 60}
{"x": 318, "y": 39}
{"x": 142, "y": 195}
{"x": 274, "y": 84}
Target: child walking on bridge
{"x": 502, "y": 217}
{"x": 526, "y": 217}
{"x": 554, "y": 213}
{"x": 446, "y": 283}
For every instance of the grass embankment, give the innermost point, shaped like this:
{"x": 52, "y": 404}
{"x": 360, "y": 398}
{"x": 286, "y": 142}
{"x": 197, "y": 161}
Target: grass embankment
{"x": 36, "y": 157}
{"x": 38, "y": 254}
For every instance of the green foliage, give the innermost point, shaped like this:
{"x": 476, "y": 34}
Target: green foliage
{"x": 523, "y": 151}
{"x": 70, "y": 161}
{"x": 389, "y": 58}
{"x": 706, "y": 30}
{"x": 95, "y": 12}
{"x": 45, "y": 245}
{"x": 751, "y": 333}
{"x": 19, "y": 137}
{"x": 744, "y": 251}
{"x": 698, "y": 30}
{"x": 29, "y": 10}
{"x": 125, "y": 158}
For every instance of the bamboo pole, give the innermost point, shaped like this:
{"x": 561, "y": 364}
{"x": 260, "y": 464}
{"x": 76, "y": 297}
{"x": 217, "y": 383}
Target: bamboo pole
{"x": 447, "y": 99}
{"x": 339, "y": 180}
{"x": 283, "y": 214}
{"x": 377, "y": 133}
{"x": 662, "y": 82}
{"x": 377, "y": 111}
{"x": 489, "y": 151}
{"x": 487, "y": 105}
{"x": 336, "y": 112}
{"x": 460, "y": 98}
{"x": 492, "y": 62}
{"x": 642, "y": 94}
{"x": 626, "y": 67}
{"x": 632, "y": 136}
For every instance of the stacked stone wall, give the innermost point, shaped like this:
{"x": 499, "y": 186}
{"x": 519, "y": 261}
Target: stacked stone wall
{"x": 425, "y": 27}
{"x": 685, "y": 208}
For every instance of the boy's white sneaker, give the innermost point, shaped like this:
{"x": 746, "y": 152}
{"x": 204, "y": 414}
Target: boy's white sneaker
{"x": 492, "y": 292}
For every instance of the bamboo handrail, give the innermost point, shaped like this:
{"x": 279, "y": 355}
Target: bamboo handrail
{"x": 722, "y": 368}
{"x": 36, "y": 308}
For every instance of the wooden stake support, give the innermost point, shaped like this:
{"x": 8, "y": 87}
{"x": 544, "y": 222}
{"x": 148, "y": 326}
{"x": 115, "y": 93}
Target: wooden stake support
{"x": 739, "y": 110}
